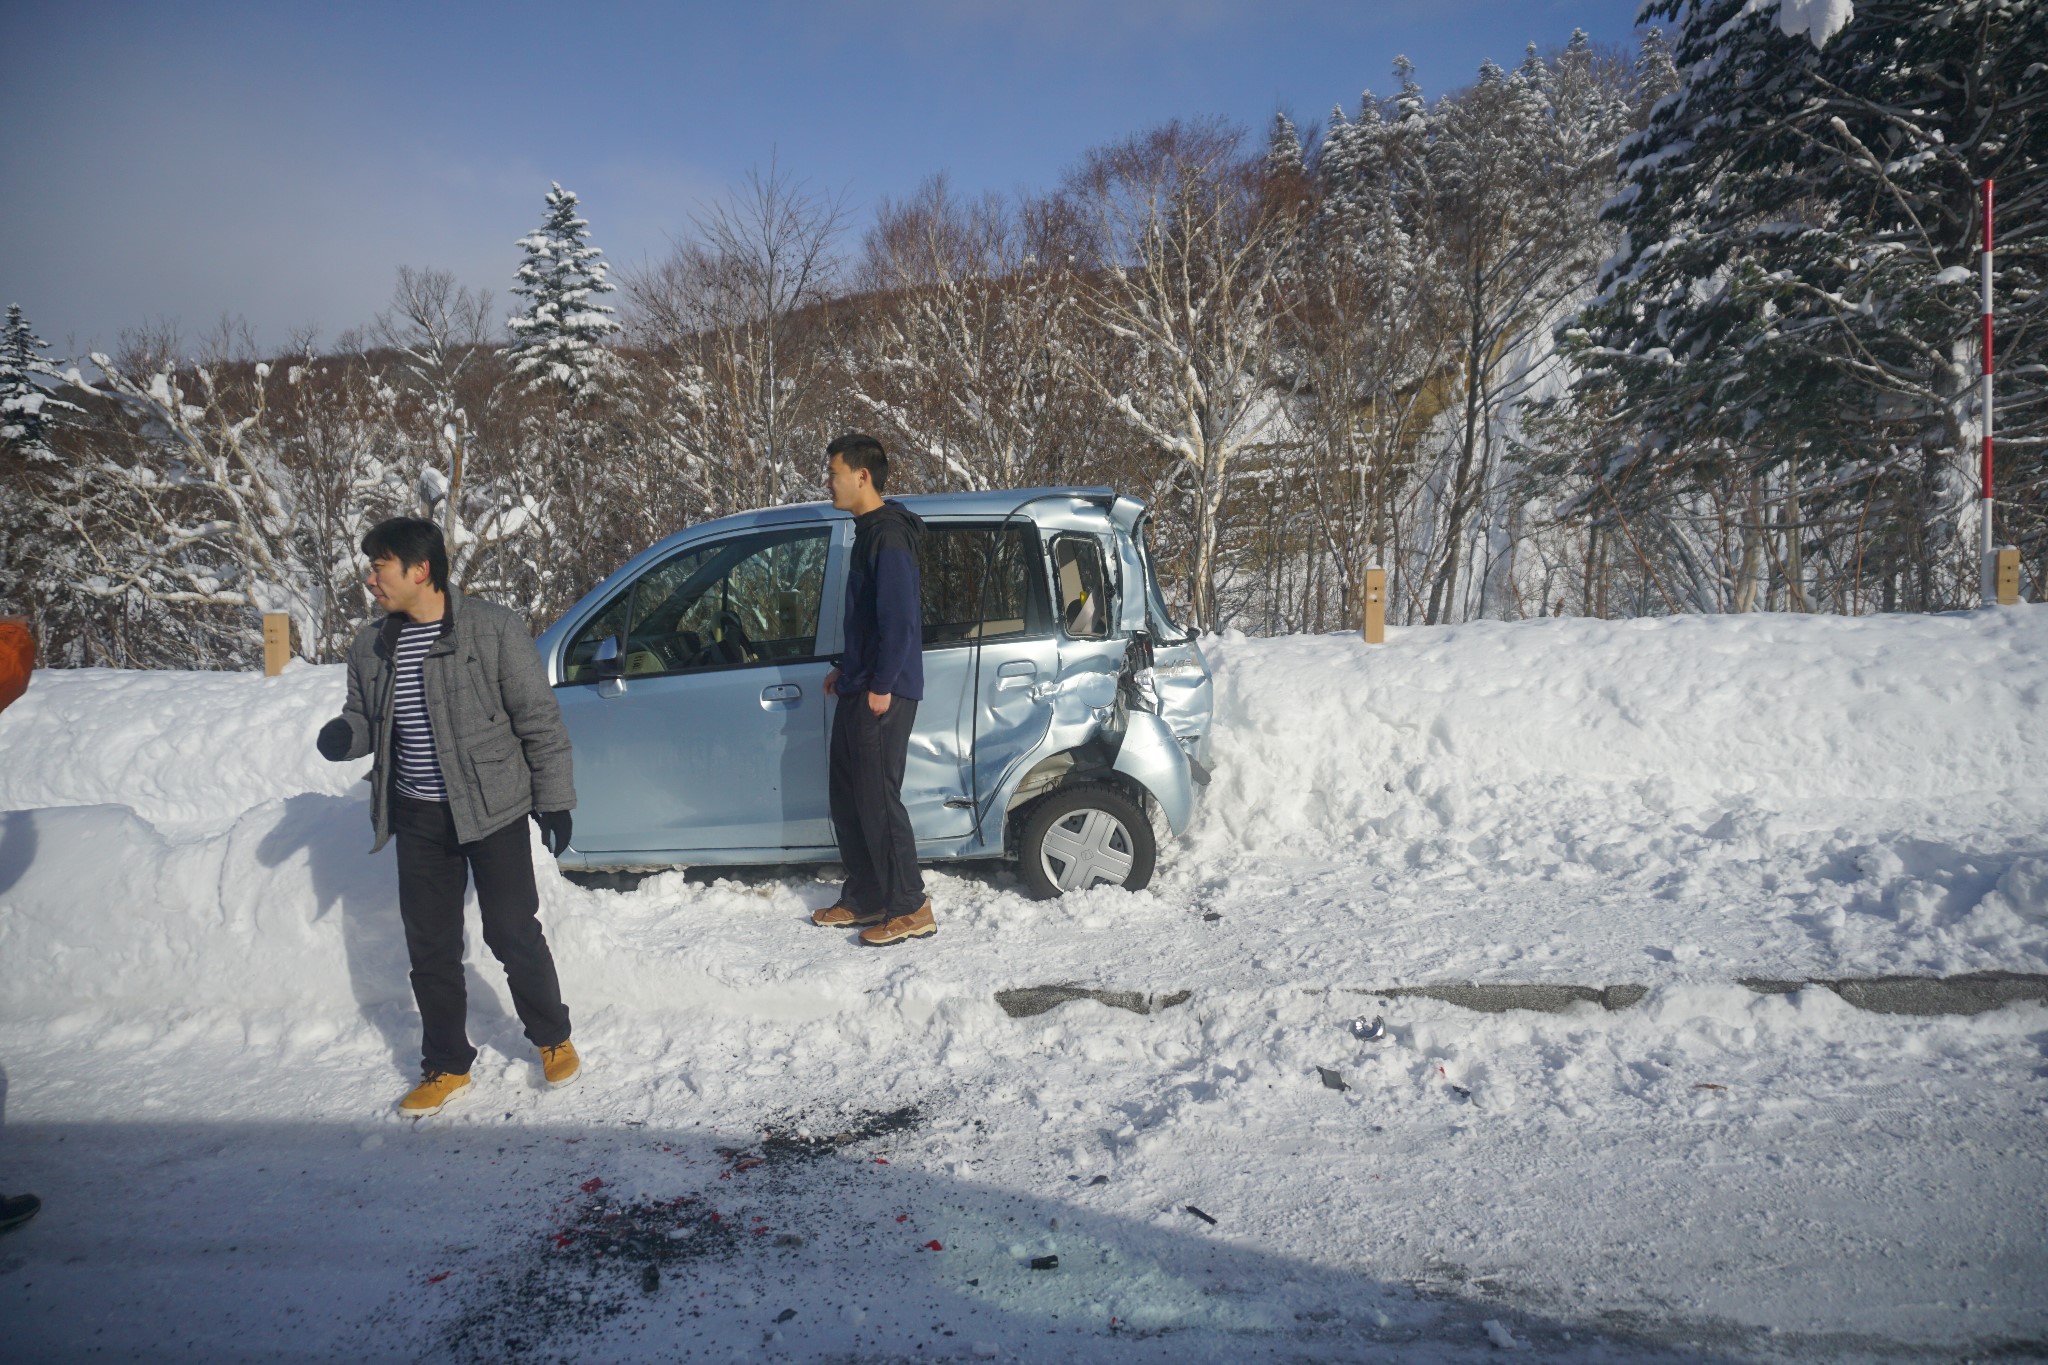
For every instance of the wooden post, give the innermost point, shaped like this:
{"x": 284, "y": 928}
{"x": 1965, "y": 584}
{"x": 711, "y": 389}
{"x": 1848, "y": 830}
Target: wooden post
{"x": 1375, "y": 628}
{"x": 2008, "y": 576}
{"x": 277, "y": 642}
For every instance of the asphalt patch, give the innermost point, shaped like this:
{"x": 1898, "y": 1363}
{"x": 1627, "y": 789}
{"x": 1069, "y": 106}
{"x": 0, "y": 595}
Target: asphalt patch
{"x": 792, "y": 1139}
{"x": 1969, "y": 993}
{"x": 1498, "y": 998}
{"x": 1027, "y": 1001}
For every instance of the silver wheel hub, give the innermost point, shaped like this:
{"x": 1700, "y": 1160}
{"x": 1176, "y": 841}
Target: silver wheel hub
{"x": 1086, "y": 848}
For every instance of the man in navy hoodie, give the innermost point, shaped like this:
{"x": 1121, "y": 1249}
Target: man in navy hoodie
{"x": 879, "y": 681}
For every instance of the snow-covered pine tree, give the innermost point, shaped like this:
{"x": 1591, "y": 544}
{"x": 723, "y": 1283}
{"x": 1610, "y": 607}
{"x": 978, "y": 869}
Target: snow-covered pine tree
{"x": 1654, "y": 73}
{"x": 559, "y": 340}
{"x": 25, "y": 404}
{"x": 32, "y": 477}
{"x": 1283, "y": 149}
{"x": 1794, "y": 304}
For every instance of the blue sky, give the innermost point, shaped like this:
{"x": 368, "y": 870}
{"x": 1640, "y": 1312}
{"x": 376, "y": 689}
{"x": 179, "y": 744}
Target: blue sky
{"x": 279, "y": 161}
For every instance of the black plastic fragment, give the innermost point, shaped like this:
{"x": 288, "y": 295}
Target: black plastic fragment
{"x": 785, "y": 1315}
{"x": 1203, "y": 1216}
{"x": 1332, "y": 1080}
{"x": 1100, "y": 1180}
{"x": 1045, "y": 1263}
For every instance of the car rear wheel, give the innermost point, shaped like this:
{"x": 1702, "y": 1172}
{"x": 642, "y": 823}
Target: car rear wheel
{"x": 1086, "y": 836}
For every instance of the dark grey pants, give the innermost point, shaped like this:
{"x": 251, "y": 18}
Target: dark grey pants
{"x": 866, "y": 786}
{"x": 433, "y": 873}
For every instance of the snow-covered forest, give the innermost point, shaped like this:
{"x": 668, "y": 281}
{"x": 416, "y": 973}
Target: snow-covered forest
{"x": 1690, "y": 328}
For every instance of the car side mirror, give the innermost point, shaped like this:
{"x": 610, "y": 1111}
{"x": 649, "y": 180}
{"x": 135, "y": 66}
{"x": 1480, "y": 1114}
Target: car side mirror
{"x": 607, "y": 663}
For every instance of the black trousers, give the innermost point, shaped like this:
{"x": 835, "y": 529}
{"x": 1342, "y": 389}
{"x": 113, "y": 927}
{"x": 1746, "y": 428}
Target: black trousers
{"x": 875, "y": 842}
{"x": 433, "y": 872}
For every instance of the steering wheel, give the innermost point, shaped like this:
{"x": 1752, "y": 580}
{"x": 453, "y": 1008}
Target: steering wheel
{"x": 679, "y": 650}
{"x": 732, "y": 638}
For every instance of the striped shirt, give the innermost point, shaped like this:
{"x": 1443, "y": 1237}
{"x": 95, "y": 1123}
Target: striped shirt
{"x": 412, "y": 730}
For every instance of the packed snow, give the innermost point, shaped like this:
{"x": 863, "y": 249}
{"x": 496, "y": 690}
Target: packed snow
{"x": 1818, "y": 20}
{"x": 788, "y": 1147}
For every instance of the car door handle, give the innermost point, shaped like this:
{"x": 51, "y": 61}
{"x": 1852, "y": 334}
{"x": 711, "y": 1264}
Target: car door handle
{"x": 781, "y": 692}
{"x": 1016, "y": 673}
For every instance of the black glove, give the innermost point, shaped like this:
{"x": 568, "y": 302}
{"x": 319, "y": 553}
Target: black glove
{"x": 335, "y": 738}
{"x": 554, "y": 830}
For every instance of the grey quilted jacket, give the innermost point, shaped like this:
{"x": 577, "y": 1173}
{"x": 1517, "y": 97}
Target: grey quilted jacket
{"x": 497, "y": 730}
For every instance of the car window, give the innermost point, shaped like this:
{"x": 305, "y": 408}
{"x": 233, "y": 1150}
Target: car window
{"x": 753, "y": 599}
{"x": 577, "y": 665}
{"x": 1081, "y": 580}
{"x": 981, "y": 583}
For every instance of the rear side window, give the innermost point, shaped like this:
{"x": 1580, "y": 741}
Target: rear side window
{"x": 1083, "y": 585}
{"x": 981, "y": 583}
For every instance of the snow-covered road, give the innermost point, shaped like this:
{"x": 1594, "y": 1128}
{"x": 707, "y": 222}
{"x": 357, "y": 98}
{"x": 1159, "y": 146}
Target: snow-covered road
{"x": 207, "y": 1020}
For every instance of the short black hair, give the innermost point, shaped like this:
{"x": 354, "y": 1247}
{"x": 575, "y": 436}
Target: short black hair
{"x": 862, "y": 451}
{"x": 410, "y": 541}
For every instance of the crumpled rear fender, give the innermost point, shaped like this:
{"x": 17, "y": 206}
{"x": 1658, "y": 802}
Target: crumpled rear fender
{"x": 1151, "y": 757}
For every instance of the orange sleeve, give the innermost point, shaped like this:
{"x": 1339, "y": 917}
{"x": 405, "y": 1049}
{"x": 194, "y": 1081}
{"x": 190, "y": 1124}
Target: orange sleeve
{"x": 17, "y": 658}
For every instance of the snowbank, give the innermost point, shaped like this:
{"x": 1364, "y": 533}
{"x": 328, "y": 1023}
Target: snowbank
{"x": 1322, "y": 739}
{"x": 188, "y": 752}
{"x": 1318, "y": 737}
{"x": 1682, "y": 800}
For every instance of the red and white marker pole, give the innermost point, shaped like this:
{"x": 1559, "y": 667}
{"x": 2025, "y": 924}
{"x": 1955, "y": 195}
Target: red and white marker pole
{"x": 1989, "y": 558}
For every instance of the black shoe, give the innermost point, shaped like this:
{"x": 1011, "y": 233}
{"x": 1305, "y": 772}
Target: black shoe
{"x": 16, "y": 1209}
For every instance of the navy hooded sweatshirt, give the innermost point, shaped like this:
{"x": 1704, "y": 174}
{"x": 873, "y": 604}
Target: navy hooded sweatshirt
{"x": 884, "y": 612}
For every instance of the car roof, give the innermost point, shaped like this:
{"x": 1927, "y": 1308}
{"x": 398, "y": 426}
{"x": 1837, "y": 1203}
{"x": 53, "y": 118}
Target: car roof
{"x": 981, "y": 503}
{"x": 996, "y": 502}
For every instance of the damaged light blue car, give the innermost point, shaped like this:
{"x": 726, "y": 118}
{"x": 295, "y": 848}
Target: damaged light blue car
{"x": 1065, "y": 716}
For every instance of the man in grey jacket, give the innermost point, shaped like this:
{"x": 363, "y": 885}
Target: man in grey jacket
{"x": 449, "y": 694}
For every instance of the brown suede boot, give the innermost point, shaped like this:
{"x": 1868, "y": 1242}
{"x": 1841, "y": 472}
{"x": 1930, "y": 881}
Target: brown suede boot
{"x": 844, "y": 916}
{"x": 917, "y": 924}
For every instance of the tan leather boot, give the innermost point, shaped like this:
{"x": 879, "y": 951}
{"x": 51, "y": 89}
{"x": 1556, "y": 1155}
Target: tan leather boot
{"x": 844, "y": 916}
{"x": 917, "y": 924}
